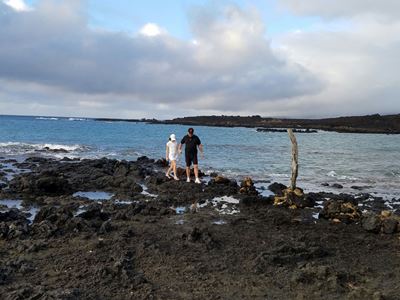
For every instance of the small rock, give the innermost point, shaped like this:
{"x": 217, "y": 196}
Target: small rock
{"x": 389, "y": 225}
{"x": 371, "y": 222}
{"x": 337, "y": 186}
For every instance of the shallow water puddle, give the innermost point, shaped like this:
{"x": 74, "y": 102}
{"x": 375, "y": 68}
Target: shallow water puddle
{"x": 80, "y": 210}
{"x": 262, "y": 190}
{"x": 11, "y": 203}
{"x": 226, "y": 199}
{"x": 95, "y": 196}
{"x": 125, "y": 202}
{"x": 146, "y": 193}
{"x": 219, "y": 222}
{"x": 15, "y": 171}
{"x": 180, "y": 210}
{"x": 224, "y": 209}
{"x": 32, "y": 211}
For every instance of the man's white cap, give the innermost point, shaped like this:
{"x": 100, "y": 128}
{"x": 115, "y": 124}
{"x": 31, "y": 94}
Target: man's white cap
{"x": 172, "y": 137}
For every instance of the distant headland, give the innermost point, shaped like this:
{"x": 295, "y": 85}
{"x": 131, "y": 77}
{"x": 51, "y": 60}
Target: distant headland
{"x": 387, "y": 124}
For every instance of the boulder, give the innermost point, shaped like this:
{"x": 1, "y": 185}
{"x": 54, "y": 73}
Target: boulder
{"x": 371, "y": 222}
{"x": 277, "y": 188}
{"x": 340, "y": 210}
{"x": 247, "y": 187}
{"x": 389, "y": 225}
{"x": 293, "y": 199}
{"x": 337, "y": 186}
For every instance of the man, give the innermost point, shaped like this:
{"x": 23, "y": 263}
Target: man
{"x": 192, "y": 142}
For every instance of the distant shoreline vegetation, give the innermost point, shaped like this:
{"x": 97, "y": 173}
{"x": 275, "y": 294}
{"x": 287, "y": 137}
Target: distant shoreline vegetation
{"x": 377, "y": 124}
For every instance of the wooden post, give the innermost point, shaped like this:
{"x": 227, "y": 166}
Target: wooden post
{"x": 295, "y": 162}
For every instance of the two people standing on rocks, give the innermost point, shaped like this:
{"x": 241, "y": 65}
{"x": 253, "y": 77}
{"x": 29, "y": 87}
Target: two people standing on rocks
{"x": 192, "y": 143}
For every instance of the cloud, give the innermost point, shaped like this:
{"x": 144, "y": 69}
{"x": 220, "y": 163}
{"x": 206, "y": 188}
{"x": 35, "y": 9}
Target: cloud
{"x": 230, "y": 67}
{"x": 360, "y": 65}
{"x": 151, "y": 29}
{"x": 344, "y": 8}
{"x": 18, "y": 5}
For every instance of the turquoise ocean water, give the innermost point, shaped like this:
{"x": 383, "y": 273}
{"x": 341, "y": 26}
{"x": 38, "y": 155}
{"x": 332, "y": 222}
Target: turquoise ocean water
{"x": 368, "y": 160}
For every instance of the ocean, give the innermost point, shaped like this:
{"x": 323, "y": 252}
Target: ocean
{"x": 370, "y": 162}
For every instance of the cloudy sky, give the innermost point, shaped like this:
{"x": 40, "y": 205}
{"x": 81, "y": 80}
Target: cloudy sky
{"x": 164, "y": 59}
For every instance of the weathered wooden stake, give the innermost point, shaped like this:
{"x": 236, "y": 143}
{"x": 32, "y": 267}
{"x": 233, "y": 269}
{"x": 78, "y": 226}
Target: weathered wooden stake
{"x": 295, "y": 157}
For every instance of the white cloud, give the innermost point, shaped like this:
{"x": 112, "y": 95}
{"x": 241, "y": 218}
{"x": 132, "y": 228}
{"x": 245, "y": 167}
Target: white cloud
{"x": 231, "y": 68}
{"x": 344, "y": 8}
{"x": 51, "y": 62}
{"x": 18, "y": 5}
{"x": 151, "y": 29}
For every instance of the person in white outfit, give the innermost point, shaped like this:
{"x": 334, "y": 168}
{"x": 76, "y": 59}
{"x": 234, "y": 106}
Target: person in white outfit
{"x": 171, "y": 155}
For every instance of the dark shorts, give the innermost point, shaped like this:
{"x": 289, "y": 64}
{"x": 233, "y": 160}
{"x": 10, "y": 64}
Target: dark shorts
{"x": 191, "y": 158}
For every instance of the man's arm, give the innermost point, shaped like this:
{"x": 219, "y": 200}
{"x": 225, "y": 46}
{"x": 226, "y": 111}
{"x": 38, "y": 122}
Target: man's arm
{"x": 166, "y": 153}
{"x": 180, "y": 145}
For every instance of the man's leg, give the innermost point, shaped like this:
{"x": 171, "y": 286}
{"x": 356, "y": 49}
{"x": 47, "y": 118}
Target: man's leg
{"x": 196, "y": 169}
{"x": 188, "y": 163}
{"x": 188, "y": 172}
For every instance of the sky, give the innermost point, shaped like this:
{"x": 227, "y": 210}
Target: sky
{"x": 167, "y": 59}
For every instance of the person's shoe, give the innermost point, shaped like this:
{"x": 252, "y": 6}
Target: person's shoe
{"x": 167, "y": 175}
{"x": 197, "y": 180}
{"x": 176, "y": 178}
{"x": 188, "y": 179}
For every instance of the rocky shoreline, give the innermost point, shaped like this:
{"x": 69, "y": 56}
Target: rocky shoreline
{"x": 372, "y": 124}
{"x": 143, "y": 238}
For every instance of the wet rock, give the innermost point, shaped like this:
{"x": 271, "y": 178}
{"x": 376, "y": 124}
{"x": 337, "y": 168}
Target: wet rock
{"x": 341, "y": 211}
{"x": 94, "y": 211}
{"x": 220, "y": 180}
{"x": 294, "y": 199}
{"x": 251, "y": 200}
{"x": 59, "y": 150}
{"x": 337, "y": 186}
{"x": 277, "y": 188}
{"x": 371, "y": 222}
{"x": 389, "y": 225}
{"x": 162, "y": 163}
{"x": 46, "y": 183}
{"x": 247, "y": 187}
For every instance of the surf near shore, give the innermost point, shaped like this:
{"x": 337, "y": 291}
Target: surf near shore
{"x": 109, "y": 229}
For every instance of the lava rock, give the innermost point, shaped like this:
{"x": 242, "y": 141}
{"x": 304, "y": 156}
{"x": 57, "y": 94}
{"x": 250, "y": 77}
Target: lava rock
{"x": 389, "y": 225}
{"x": 337, "y": 186}
{"x": 341, "y": 210}
{"x": 371, "y": 222}
{"x": 277, "y": 188}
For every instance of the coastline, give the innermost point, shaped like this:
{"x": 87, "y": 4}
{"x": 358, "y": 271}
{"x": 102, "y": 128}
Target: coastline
{"x": 143, "y": 242}
{"x": 369, "y": 124}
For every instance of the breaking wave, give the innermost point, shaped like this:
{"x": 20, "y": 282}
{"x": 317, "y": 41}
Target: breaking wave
{"x": 19, "y": 148}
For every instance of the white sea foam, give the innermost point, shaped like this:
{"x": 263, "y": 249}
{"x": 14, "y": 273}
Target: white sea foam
{"x": 21, "y": 148}
{"x": 47, "y": 118}
{"x": 77, "y": 119}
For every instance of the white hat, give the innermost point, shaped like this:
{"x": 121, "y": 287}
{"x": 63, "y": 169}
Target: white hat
{"x": 172, "y": 137}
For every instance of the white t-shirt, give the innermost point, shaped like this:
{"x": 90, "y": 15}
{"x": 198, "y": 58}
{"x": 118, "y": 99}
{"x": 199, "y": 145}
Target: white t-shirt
{"x": 172, "y": 150}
